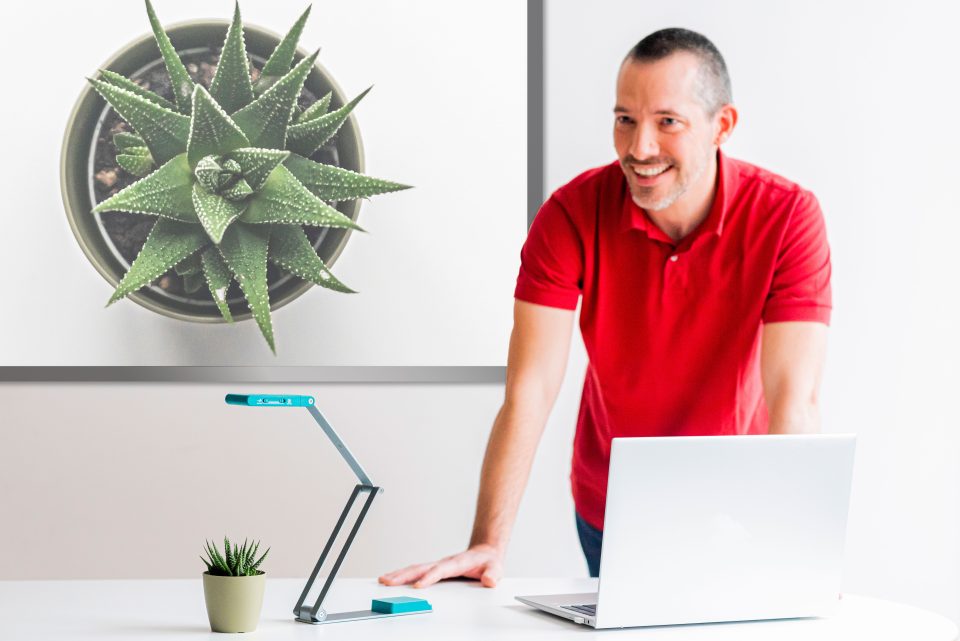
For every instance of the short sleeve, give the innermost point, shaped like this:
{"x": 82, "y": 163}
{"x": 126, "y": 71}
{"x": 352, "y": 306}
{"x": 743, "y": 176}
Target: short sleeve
{"x": 551, "y": 261}
{"x": 800, "y": 290}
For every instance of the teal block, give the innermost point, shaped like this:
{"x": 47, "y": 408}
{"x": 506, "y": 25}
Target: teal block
{"x": 399, "y": 605}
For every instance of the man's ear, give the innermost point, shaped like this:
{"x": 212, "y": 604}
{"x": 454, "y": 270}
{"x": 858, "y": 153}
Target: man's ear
{"x": 726, "y": 121}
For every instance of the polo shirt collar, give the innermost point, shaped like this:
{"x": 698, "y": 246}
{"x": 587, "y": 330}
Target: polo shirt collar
{"x": 636, "y": 218}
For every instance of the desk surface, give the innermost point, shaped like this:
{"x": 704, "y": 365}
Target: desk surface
{"x": 166, "y": 609}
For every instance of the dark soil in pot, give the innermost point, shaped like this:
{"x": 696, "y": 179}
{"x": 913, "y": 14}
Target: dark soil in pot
{"x": 128, "y": 232}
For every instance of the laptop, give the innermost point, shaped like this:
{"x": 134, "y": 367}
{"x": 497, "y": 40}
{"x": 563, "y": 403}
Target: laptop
{"x": 702, "y": 529}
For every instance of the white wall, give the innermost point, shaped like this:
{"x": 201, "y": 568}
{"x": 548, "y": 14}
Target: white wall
{"x": 855, "y": 101}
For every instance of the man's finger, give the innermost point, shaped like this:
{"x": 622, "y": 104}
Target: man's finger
{"x": 491, "y": 574}
{"x": 453, "y": 566}
{"x": 406, "y": 575}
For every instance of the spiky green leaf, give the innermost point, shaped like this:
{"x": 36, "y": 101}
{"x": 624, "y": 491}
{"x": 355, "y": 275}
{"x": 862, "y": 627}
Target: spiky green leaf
{"x": 305, "y": 138}
{"x": 229, "y": 553}
{"x": 122, "y": 82}
{"x": 192, "y": 283}
{"x": 265, "y": 120}
{"x": 244, "y": 249}
{"x": 124, "y": 140}
{"x": 231, "y": 86}
{"x": 180, "y": 80}
{"x": 279, "y": 62}
{"x": 291, "y": 250}
{"x": 137, "y": 160}
{"x": 238, "y": 192}
{"x": 211, "y": 129}
{"x": 165, "y": 132}
{"x": 334, "y": 183}
{"x": 167, "y": 244}
{"x": 167, "y": 192}
{"x": 256, "y": 566}
{"x": 218, "y": 278}
{"x": 190, "y": 265}
{"x": 256, "y": 164}
{"x": 282, "y": 199}
{"x": 215, "y": 212}
{"x": 317, "y": 109}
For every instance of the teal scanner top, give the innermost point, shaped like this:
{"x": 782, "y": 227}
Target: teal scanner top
{"x": 268, "y": 400}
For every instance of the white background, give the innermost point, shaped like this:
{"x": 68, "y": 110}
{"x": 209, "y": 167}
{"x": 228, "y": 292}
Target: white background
{"x": 447, "y": 114}
{"x": 856, "y": 102}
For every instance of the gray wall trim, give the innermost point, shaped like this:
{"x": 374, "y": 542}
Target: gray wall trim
{"x": 536, "y": 114}
{"x": 199, "y": 374}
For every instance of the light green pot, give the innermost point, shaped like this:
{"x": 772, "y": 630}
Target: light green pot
{"x": 233, "y": 602}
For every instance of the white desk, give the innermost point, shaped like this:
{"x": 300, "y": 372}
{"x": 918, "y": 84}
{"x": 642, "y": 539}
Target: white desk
{"x": 131, "y": 610}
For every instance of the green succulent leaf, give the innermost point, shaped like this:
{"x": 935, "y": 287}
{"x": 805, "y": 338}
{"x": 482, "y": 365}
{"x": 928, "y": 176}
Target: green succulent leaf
{"x": 317, "y": 109}
{"x": 256, "y": 164}
{"x": 167, "y": 192}
{"x": 231, "y": 86}
{"x": 218, "y": 278}
{"x": 192, "y": 283}
{"x": 244, "y": 248}
{"x": 305, "y": 138}
{"x": 179, "y": 78}
{"x": 136, "y": 160}
{"x": 189, "y": 265}
{"x": 124, "y": 140}
{"x": 165, "y": 132}
{"x": 211, "y": 129}
{"x": 265, "y": 120}
{"x": 168, "y": 243}
{"x": 256, "y": 566}
{"x": 122, "y": 82}
{"x": 215, "y": 212}
{"x": 334, "y": 183}
{"x": 210, "y": 173}
{"x": 238, "y": 192}
{"x": 282, "y": 199}
{"x": 291, "y": 250}
{"x": 279, "y": 62}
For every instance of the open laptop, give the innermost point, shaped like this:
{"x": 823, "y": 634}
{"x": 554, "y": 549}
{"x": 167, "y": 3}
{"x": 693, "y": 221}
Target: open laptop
{"x": 718, "y": 528}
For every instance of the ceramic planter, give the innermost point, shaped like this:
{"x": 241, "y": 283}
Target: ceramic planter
{"x": 233, "y": 602}
{"x": 77, "y": 169}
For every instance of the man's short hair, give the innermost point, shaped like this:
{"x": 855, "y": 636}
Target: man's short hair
{"x": 714, "y": 82}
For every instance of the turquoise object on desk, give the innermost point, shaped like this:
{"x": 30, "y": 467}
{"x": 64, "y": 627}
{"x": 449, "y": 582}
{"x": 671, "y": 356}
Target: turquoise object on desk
{"x": 400, "y": 605}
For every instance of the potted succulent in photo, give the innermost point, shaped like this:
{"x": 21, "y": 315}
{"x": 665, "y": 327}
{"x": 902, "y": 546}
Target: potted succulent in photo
{"x": 220, "y": 178}
{"x": 233, "y": 586}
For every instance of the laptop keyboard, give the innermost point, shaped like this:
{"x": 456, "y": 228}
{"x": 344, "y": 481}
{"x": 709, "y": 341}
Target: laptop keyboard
{"x": 590, "y": 609}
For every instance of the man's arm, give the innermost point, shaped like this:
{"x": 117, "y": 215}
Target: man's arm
{"x": 791, "y": 365}
{"x": 539, "y": 346}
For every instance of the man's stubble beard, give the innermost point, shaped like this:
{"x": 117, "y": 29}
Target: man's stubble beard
{"x": 678, "y": 190}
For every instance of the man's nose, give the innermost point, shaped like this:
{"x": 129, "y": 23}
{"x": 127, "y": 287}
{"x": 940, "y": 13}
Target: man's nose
{"x": 644, "y": 143}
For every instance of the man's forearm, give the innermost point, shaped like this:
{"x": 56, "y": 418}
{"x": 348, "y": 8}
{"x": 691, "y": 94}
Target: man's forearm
{"x": 503, "y": 477}
{"x": 795, "y": 417}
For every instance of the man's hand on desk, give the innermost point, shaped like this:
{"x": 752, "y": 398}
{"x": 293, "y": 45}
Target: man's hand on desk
{"x": 483, "y": 562}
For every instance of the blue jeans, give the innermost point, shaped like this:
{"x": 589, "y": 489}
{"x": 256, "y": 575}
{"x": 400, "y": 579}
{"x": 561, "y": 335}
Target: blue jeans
{"x": 591, "y": 540}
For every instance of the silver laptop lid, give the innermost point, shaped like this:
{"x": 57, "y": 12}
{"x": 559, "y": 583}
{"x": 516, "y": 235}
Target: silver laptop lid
{"x": 720, "y": 528}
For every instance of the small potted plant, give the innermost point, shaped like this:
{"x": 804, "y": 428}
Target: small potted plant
{"x": 233, "y": 586}
{"x": 222, "y": 171}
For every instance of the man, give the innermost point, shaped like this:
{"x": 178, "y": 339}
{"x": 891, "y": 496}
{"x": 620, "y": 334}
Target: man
{"x": 706, "y": 298}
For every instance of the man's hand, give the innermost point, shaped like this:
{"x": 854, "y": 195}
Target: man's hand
{"x": 482, "y": 562}
{"x": 538, "y": 356}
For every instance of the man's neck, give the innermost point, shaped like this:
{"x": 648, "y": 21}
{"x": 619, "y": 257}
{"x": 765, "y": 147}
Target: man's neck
{"x": 691, "y": 209}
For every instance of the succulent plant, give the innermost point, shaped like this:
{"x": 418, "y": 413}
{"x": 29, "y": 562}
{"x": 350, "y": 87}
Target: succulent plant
{"x": 227, "y": 172}
{"x": 235, "y": 560}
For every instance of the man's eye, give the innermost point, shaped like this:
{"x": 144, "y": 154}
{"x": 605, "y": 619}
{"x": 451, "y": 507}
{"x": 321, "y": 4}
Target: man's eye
{"x": 624, "y": 120}
{"x": 669, "y": 122}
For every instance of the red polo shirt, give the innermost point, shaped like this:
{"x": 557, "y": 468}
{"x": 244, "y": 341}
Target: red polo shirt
{"x": 672, "y": 329}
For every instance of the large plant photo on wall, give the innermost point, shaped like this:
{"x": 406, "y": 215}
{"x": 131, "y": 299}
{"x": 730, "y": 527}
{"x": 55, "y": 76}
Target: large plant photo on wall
{"x": 213, "y": 177}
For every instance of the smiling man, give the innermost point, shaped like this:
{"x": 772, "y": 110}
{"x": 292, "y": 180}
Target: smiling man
{"x": 706, "y": 296}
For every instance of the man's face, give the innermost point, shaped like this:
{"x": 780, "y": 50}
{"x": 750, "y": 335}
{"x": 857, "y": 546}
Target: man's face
{"x": 662, "y": 133}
